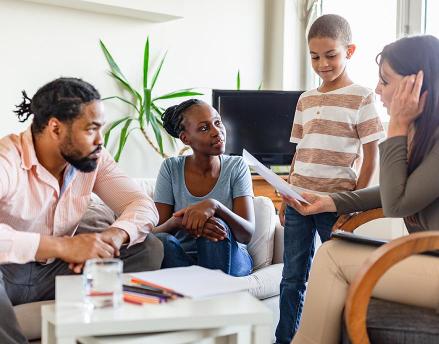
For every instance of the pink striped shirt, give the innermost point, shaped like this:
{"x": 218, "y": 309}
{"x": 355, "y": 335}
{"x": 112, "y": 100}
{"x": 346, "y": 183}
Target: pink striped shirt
{"x": 32, "y": 204}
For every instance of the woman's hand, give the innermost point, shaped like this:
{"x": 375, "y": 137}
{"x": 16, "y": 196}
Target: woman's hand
{"x": 214, "y": 230}
{"x": 407, "y": 104}
{"x": 317, "y": 204}
{"x": 195, "y": 216}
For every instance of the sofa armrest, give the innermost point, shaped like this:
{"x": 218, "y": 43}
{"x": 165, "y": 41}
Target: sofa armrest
{"x": 278, "y": 250}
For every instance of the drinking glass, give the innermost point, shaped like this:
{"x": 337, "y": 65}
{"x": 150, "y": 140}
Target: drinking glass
{"x": 102, "y": 282}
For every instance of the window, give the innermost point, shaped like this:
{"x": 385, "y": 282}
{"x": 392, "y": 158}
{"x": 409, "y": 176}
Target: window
{"x": 373, "y": 24}
{"x": 431, "y": 21}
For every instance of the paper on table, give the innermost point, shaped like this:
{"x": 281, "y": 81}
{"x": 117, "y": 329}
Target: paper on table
{"x": 194, "y": 281}
{"x": 278, "y": 183}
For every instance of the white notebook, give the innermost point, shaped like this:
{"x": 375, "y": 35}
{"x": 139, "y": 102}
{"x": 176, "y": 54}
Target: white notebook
{"x": 272, "y": 178}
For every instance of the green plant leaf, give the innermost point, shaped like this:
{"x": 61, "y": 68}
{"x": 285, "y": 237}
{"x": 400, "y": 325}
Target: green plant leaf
{"x": 146, "y": 114}
{"x": 113, "y": 65}
{"x": 179, "y": 94}
{"x": 157, "y": 72}
{"x": 123, "y": 100}
{"x": 158, "y": 113}
{"x": 113, "y": 125}
{"x": 158, "y": 133}
{"x": 238, "y": 81}
{"x": 260, "y": 86}
{"x": 127, "y": 86}
{"x": 124, "y": 133}
{"x": 146, "y": 64}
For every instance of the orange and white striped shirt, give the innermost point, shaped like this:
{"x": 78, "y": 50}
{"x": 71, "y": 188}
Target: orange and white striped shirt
{"x": 329, "y": 129}
{"x": 32, "y": 203}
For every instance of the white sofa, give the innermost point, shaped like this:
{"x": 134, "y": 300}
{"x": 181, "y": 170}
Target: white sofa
{"x": 266, "y": 249}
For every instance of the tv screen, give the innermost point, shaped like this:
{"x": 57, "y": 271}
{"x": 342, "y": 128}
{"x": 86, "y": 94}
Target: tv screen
{"x": 259, "y": 121}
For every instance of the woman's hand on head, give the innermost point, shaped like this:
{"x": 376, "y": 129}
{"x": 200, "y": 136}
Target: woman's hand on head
{"x": 317, "y": 204}
{"x": 195, "y": 216}
{"x": 407, "y": 103}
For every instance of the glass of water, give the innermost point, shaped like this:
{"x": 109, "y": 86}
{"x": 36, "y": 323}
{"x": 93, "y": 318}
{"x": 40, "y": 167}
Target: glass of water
{"x": 102, "y": 282}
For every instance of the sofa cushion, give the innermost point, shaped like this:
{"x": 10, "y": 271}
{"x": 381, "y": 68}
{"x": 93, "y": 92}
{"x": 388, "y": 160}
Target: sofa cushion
{"x": 278, "y": 250}
{"x": 396, "y": 323}
{"x": 29, "y": 318}
{"x": 147, "y": 184}
{"x": 262, "y": 242}
{"x": 99, "y": 216}
{"x": 264, "y": 283}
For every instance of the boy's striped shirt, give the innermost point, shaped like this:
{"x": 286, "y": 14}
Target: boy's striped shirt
{"x": 329, "y": 129}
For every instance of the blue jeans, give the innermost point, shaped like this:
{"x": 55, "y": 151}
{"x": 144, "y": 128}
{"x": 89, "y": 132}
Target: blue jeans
{"x": 226, "y": 255}
{"x": 299, "y": 245}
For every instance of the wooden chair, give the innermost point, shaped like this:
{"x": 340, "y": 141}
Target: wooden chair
{"x": 381, "y": 260}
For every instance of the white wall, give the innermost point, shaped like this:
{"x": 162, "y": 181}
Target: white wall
{"x": 205, "y": 50}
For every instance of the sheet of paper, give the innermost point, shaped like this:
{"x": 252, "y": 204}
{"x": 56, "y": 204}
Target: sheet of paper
{"x": 277, "y": 182}
{"x": 194, "y": 281}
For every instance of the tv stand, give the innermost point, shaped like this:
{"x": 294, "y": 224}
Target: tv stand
{"x": 262, "y": 188}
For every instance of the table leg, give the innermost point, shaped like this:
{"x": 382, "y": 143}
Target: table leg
{"x": 66, "y": 340}
{"x": 47, "y": 332}
{"x": 261, "y": 334}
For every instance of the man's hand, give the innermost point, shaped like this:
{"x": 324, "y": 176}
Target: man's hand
{"x": 113, "y": 237}
{"x": 79, "y": 248}
{"x": 196, "y": 216}
{"x": 318, "y": 204}
{"x": 214, "y": 230}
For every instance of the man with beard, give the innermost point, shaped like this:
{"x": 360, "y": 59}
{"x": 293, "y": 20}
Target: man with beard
{"x": 47, "y": 175}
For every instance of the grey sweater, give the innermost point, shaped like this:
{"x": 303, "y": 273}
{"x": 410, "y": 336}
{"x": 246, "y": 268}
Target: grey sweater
{"x": 400, "y": 195}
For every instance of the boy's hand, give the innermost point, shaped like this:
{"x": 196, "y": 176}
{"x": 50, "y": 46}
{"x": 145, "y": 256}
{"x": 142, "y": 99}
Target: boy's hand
{"x": 282, "y": 209}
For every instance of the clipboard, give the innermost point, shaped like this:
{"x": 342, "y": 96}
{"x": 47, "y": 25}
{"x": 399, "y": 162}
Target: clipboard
{"x": 364, "y": 240}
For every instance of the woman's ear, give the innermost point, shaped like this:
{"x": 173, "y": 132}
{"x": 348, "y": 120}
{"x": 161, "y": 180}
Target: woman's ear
{"x": 183, "y": 137}
{"x": 350, "y": 50}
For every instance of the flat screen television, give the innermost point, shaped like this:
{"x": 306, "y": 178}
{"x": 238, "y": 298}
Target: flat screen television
{"x": 259, "y": 121}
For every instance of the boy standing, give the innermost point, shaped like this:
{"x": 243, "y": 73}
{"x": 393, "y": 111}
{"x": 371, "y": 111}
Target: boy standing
{"x": 331, "y": 125}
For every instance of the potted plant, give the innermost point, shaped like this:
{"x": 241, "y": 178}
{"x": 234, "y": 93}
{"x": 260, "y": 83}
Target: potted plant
{"x": 146, "y": 110}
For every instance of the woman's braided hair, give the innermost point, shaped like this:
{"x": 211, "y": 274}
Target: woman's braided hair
{"x": 173, "y": 116}
{"x": 61, "y": 98}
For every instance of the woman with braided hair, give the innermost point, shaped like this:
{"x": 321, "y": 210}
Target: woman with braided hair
{"x": 205, "y": 199}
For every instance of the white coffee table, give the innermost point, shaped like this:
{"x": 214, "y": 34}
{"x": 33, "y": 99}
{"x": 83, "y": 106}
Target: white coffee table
{"x": 68, "y": 320}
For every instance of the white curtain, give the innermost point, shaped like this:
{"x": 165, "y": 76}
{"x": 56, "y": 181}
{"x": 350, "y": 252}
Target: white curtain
{"x": 311, "y": 10}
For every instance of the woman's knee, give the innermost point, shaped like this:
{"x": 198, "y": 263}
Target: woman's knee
{"x": 167, "y": 239}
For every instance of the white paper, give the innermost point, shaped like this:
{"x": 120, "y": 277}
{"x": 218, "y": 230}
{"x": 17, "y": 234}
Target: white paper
{"x": 277, "y": 182}
{"x": 194, "y": 281}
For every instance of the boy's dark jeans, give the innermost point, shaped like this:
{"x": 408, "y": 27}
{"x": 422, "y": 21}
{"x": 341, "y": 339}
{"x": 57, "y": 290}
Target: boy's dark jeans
{"x": 299, "y": 247}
